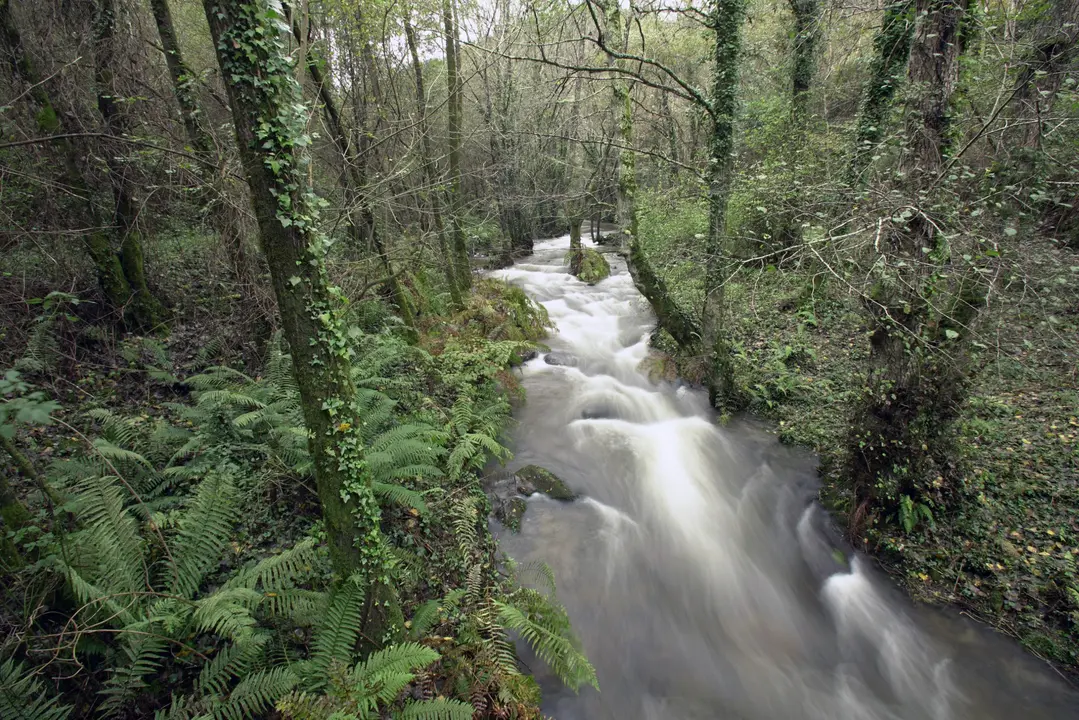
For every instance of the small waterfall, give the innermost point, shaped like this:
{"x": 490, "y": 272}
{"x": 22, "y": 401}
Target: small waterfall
{"x": 699, "y": 573}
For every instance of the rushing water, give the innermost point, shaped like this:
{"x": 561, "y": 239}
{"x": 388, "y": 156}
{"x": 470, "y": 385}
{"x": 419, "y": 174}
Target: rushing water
{"x": 701, "y": 577}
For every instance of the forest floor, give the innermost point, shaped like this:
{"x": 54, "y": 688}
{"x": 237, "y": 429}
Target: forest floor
{"x": 86, "y": 365}
{"x": 1007, "y": 554}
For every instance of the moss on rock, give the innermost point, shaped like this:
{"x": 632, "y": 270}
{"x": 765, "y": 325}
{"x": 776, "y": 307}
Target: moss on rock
{"x": 594, "y": 266}
{"x": 533, "y": 478}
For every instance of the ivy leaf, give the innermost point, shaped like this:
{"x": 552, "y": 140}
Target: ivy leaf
{"x": 951, "y": 334}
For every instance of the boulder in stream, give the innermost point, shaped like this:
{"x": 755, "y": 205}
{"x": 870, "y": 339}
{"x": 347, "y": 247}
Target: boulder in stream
{"x": 506, "y": 505}
{"x": 533, "y": 478}
{"x": 560, "y": 358}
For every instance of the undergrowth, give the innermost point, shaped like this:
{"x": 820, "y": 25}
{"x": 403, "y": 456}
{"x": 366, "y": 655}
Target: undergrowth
{"x": 176, "y": 533}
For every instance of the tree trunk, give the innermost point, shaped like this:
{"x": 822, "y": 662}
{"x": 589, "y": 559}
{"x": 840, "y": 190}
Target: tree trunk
{"x": 366, "y": 232}
{"x": 899, "y": 437}
{"x": 268, "y": 118}
{"x": 182, "y": 79}
{"x": 430, "y": 180}
{"x": 110, "y": 273}
{"x": 576, "y": 251}
{"x": 453, "y": 108}
{"x": 144, "y": 308}
{"x": 726, "y": 21}
{"x": 1054, "y": 45}
{"x": 616, "y": 37}
{"x": 223, "y": 217}
{"x": 891, "y": 49}
{"x": 933, "y": 73}
{"x": 804, "y": 54}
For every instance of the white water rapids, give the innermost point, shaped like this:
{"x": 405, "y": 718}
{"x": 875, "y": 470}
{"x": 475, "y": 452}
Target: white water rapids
{"x": 699, "y": 573}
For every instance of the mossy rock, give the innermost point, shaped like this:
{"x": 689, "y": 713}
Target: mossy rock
{"x": 510, "y": 511}
{"x": 594, "y": 266}
{"x": 533, "y": 478}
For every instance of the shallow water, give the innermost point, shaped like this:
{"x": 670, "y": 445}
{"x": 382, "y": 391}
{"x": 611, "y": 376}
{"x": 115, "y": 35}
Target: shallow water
{"x": 700, "y": 575}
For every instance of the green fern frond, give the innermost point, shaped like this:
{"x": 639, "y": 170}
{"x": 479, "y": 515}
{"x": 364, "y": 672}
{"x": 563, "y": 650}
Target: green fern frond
{"x": 117, "y": 430}
{"x": 116, "y": 454}
{"x": 256, "y": 694}
{"x": 438, "y": 709}
{"x": 426, "y": 617}
{"x": 336, "y": 635}
{"x": 399, "y": 495}
{"x": 232, "y": 661}
{"x": 145, "y": 655}
{"x": 204, "y": 532}
{"x": 229, "y": 398}
{"x": 401, "y": 658}
{"x": 219, "y": 377}
{"x": 280, "y": 571}
{"x": 228, "y": 613}
{"x": 96, "y": 602}
{"x": 112, "y": 534}
{"x": 550, "y": 638}
{"x": 23, "y": 696}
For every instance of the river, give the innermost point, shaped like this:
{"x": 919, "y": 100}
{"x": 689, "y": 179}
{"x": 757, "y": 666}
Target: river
{"x": 700, "y": 575}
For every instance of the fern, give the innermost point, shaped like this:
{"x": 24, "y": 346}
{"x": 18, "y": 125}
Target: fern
{"x": 256, "y": 694}
{"x": 437, "y": 709}
{"x": 549, "y": 637}
{"x": 24, "y": 697}
{"x": 113, "y": 535}
{"x": 232, "y": 661}
{"x": 144, "y": 654}
{"x": 399, "y": 495}
{"x": 336, "y": 635}
{"x": 204, "y": 532}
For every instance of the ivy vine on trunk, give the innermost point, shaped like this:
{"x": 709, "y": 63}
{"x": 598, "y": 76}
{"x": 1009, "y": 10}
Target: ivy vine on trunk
{"x": 268, "y": 117}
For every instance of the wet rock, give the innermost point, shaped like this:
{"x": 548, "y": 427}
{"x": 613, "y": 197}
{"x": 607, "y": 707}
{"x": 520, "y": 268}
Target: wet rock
{"x": 561, "y": 358}
{"x": 533, "y": 478}
{"x": 598, "y": 412}
{"x": 506, "y": 505}
{"x": 526, "y": 355}
{"x": 509, "y": 512}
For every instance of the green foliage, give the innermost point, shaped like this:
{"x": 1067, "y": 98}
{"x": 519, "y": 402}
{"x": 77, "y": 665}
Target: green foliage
{"x": 594, "y": 266}
{"x": 23, "y": 695}
{"x": 21, "y": 404}
{"x": 372, "y": 686}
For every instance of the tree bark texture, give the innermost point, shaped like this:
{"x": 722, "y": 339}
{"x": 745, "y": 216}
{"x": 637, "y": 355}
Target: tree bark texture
{"x": 726, "y": 19}
{"x": 891, "y": 50}
{"x": 933, "y": 74}
{"x": 143, "y": 307}
{"x": 264, "y": 98}
{"x": 453, "y": 109}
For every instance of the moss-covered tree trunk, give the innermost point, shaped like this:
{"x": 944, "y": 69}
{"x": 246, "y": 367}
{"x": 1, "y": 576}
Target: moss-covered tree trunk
{"x": 803, "y": 54}
{"x": 933, "y": 74}
{"x": 96, "y": 240}
{"x": 725, "y": 19}
{"x": 453, "y": 122}
{"x": 430, "y": 176}
{"x": 922, "y": 307}
{"x": 143, "y": 307}
{"x": 268, "y": 117}
{"x": 891, "y": 49}
{"x": 616, "y": 38}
